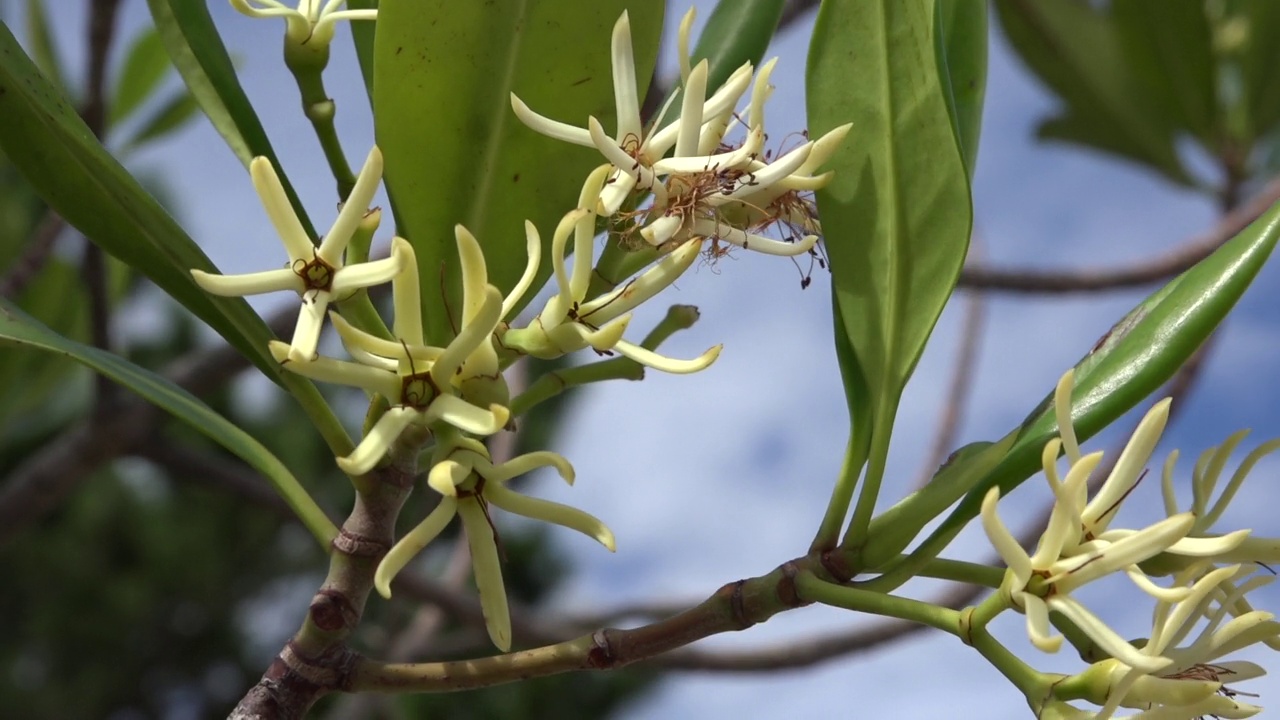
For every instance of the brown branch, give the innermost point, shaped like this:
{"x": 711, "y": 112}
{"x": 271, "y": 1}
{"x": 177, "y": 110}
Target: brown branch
{"x": 1143, "y": 273}
{"x": 93, "y": 269}
{"x": 35, "y": 254}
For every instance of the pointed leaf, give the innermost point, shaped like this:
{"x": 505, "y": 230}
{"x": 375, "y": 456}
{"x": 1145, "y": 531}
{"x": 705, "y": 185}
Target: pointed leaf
{"x": 962, "y": 49}
{"x": 456, "y": 153}
{"x": 1133, "y": 360}
{"x": 169, "y": 117}
{"x": 1258, "y": 60}
{"x": 897, "y": 214}
{"x": 144, "y": 67}
{"x": 18, "y": 327}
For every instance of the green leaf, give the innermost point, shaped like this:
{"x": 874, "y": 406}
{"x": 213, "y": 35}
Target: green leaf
{"x": 1074, "y": 48}
{"x": 44, "y": 48}
{"x": 45, "y": 139}
{"x": 169, "y": 117}
{"x": 738, "y": 31}
{"x": 362, "y": 35}
{"x": 962, "y": 50}
{"x": 456, "y": 153}
{"x": 897, "y": 214}
{"x": 1132, "y": 361}
{"x": 1168, "y": 46}
{"x": 18, "y": 327}
{"x": 144, "y": 67}
{"x": 1258, "y": 60}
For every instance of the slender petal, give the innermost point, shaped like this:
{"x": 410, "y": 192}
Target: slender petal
{"x": 280, "y": 210}
{"x": 353, "y": 209}
{"x": 340, "y": 372}
{"x": 375, "y": 444}
{"x": 553, "y": 129}
{"x": 655, "y": 280}
{"x": 625, "y": 94}
{"x": 1039, "y": 629}
{"x": 749, "y": 241}
{"x": 472, "y": 335}
{"x": 249, "y": 283}
{"x": 649, "y": 358}
{"x": 306, "y": 332}
{"x": 467, "y": 417}
{"x": 1106, "y": 638}
{"x": 1062, "y": 409}
{"x": 533, "y": 247}
{"x": 522, "y": 464}
{"x": 550, "y": 512}
{"x": 366, "y": 274}
{"x": 1003, "y": 541}
{"x": 405, "y": 296}
{"x": 488, "y": 573}
{"x": 412, "y": 543}
{"x": 695, "y": 94}
{"x": 1128, "y": 468}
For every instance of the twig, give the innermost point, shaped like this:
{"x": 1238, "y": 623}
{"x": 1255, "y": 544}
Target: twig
{"x": 1175, "y": 261}
{"x": 34, "y": 256}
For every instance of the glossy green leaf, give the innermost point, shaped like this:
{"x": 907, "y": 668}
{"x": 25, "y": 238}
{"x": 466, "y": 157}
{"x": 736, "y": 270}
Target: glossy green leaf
{"x": 738, "y": 31}
{"x": 1134, "y": 359}
{"x": 1075, "y": 49}
{"x": 362, "y": 35}
{"x": 18, "y": 327}
{"x": 1259, "y": 59}
{"x": 1168, "y": 46}
{"x": 144, "y": 67}
{"x": 169, "y": 117}
{"x": 962, "y": 49}
{"x": 456, "y": 153}
{"x": 44, "y": 48}
{"x": 49, "y": 143}
{"x": 897, "y": 215}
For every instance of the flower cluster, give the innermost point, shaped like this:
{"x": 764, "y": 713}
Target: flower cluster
{"x": 697, "y": 191}
{"x": 1079, "y": 545}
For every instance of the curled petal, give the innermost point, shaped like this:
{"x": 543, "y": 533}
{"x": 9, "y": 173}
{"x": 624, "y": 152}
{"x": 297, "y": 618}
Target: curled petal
{"x": 1017, "y": 560}
{"x": 550, "y": 512}
{"x": 446, "y": 476}
{"x": 467, "y": 417}
{"x": 473, "y": 334}
{"x": 379, "y": 352}
{"x": 533, "y": 247}
{"x": 412, "y": 543}
{"x": 649, "y": 358}
{"x": 749, "y": 241}
{"x": 553, "y": 129}
{"x": 646, "y": 286}
{"x": 528, "y": 462}
{"x": 1039, "y": 629}
{"x": 374, "y": 446}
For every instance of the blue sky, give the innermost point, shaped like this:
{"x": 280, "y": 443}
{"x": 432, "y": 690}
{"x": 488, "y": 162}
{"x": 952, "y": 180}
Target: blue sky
{"x": 722, "y": 475}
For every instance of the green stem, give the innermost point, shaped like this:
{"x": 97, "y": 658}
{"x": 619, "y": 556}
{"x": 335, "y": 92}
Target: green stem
{"x": 307, "y": 63}
{"x": 319, "y": 412}
{"x": 856, "y": 535}
{"x": 811, "y": 587}
{"x": 855, "y": 457}
{"x": 962, "y": 571}
{"x": 1032, "y": 683}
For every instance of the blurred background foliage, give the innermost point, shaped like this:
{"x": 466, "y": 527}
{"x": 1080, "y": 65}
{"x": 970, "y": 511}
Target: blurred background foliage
{"x": 154, "y": 590}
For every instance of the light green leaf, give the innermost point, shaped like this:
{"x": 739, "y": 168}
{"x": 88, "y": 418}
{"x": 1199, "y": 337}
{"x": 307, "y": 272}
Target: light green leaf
{"x": 897, "y": 214}
{"x": 18, "y": 327}
{"x": 962, "y": 50}
{"x": 144, "y": 67}
{"x": 1074, "y": 48}
{"x": 45, "y": 139}
{"x": 456, "y": 153}
{"x": 1132, "y": 361}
